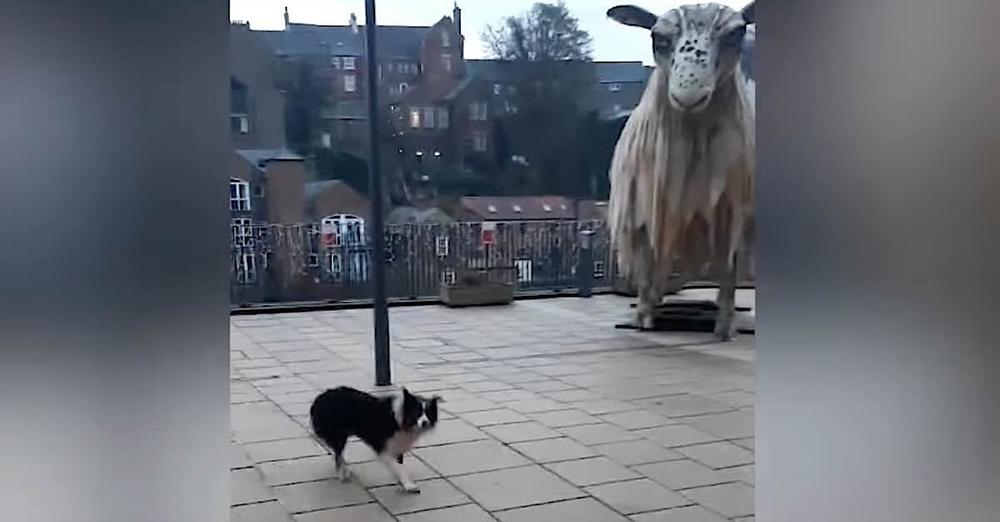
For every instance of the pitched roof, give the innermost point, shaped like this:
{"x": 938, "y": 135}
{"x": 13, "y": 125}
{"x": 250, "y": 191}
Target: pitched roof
{"x": 605, "y": 72}
{"x": 590, "y": 209}
{"x": 258, "y": 157}
{"x": 306, "y": 39}
{"x": 621, "y": 72}
{"x": 517, "y": 208}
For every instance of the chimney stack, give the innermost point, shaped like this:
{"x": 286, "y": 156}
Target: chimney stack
{"x": 354, "y": 23}
{"x": 286, "y": 17}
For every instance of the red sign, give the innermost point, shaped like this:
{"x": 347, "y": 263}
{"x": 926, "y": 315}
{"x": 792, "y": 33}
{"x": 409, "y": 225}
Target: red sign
{"x": 330, "y": 233}
{"x": 489, "y": 233}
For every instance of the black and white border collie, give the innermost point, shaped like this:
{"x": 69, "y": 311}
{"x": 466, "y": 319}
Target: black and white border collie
{"x": 389, "y": 425}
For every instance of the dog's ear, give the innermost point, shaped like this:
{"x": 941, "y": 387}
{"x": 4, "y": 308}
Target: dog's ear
{"x": 437, "y": 399}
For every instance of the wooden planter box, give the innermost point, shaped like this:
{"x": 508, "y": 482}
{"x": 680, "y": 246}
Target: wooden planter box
{"x": 481, "y": 294}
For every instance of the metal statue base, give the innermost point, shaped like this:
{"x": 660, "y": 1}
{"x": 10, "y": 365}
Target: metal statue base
{"x": 686, "y": 316}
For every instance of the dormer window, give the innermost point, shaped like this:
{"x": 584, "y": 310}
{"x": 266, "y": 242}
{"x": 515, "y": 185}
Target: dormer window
{"x": 547, "y": 208}
{"x": 517, "y": 208}
{"x": 492, "y": 209}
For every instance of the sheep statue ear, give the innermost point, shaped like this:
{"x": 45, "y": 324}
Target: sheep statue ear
{"x": 633, "y": 16}
{"x": 749, "y": 13}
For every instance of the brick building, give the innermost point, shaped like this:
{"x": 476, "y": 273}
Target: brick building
{"x": 440, "y": 108}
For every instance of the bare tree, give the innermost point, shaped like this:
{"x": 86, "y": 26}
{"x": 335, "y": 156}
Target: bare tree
{"x": 545, "y": 32}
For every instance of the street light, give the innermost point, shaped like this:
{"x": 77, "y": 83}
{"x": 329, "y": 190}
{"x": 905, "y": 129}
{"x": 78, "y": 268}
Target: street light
{"x": 380, "y": 305}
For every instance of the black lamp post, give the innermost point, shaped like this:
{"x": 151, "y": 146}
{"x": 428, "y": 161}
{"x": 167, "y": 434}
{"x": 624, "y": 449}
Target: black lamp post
{"x": 383, "y": 373}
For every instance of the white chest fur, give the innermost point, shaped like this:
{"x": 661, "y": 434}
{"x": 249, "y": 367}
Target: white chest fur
{"x": 401, "y": 442}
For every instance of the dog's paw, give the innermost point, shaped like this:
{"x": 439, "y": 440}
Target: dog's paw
{"x": 344, "y": 474}
{"x": 410, "y": 488}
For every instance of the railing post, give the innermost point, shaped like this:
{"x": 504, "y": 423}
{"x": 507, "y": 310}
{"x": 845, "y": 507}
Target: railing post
{"x": 585, "y": 264}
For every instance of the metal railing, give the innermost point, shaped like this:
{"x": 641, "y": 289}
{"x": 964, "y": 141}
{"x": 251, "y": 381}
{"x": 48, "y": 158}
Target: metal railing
{"x": 297, "y": 263}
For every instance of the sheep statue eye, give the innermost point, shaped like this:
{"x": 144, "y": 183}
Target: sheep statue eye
{"x": 661, "y": 43}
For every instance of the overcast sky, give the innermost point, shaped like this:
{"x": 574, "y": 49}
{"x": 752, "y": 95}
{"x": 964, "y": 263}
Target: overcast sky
{"x": 611, "y": 41}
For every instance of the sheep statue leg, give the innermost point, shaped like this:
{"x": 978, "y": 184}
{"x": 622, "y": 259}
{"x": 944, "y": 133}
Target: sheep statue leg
{"x": 725, "y": 326}
{"x": 645, "y": 311}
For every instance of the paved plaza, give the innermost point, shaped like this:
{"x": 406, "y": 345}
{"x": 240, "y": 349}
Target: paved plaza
{"x": 550, "y": 413}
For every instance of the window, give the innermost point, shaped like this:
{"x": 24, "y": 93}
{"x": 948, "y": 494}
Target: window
{"x": 350, "y": 83}
{"x": 244, "y": 125}
{"x": 614, "y": 87}
{"x": 441, "y": 246}
{"x": 448, "y": 276}
{"x": 242, "y": 232}
{"x": 492, "y": 209}
{"x": 443, "y": 119}
{"x": 326, "y": 140}
{"x": 336, "y": 267}
{"x": 335, "y": 62}
{"x": 403, "y": 87}
{"x": 547, "y": 208}
{"x": 477, "y": 111}
{"x": 239, "y": 195}
{"x": 598, "y": 269}
{"x": 414, "y": 118}
{"x": 429, "y": 114}
{"x": 350, "y": 63}
{"x": 445, "y": 39}
{"x": 497, "y": 89}
{"x": 479, "y": 142}
{"x": 246, "y": 267}
{"x": 313, "y": 260}
{"x": 446, "y": 61}
{"x": 523, "y": 267}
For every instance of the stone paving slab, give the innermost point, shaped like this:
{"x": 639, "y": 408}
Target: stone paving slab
{"x": 549, "y": 413}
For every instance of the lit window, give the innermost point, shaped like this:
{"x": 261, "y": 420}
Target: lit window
{"x": 479, "y": 141}
{"x": 244, "y": 125}
{"x": 350, "y": 63}
{"x": 350, "y": 83}
{"x": 478, "y": 111}
{"x": 414, "y": 118}
{"x": 497, "y": 89}
{"x": 326, "y": 140}
{"x": 239, "y": 195}
{"x": 445, "y": 39}
{"x": 429, "y": 113}
{"x": 443, "y": 119}
{"x": 446, "y": 61}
